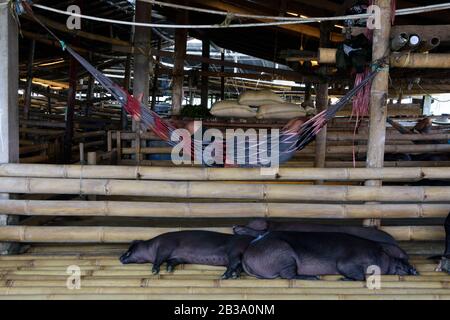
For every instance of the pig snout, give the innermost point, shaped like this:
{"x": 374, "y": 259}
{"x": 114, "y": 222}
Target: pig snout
{"x": 125, "y": 258}
{"x": 413, "y": 271}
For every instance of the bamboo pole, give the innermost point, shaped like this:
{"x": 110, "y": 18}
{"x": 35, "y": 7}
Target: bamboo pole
{"x": 137, "y": 283}
{"x": 399, "y": 60}
{"x": 431, "y": 148}
{"x": 178, "y": 69}
{"x": 379, "y": 92}
{"x": 234, "y": 297}
{"x": 322, "y": 103}
{"x": 27, "y": 234}
{"x": 344, "y": 136}
{"x": 223, "y": 291}
{"x": 218, "y": 190}
{"x": 219, "y": 174}
{"x": 225, "y": 210}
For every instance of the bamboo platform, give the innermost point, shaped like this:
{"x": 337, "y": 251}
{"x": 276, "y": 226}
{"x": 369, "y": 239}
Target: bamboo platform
{"x": 41, "y": 273}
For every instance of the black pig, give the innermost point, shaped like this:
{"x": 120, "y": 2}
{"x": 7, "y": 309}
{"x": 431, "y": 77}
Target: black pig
{"x": 190, "y": 247}
{"x": 258, "y": 227}
{"x": 306, "y": 255}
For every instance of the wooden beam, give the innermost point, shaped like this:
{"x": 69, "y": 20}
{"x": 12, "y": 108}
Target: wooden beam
{"x": 285, "y": 74}
{"x": 300, "y": 28}
{"x": 9, "y": 112}
{"x": 155, "y": 77}
{"x": 70, "y": 112}
{"x": 322, "y": 101}
{"x": 142, "y": 40}
{"x": 28, "y": 90}
{"x": 205, "y": 68}
{"x": 178, "y": 70}
{"x": 423, "y": 31}
{"x": 222, "y": 79}
{"x": 379, "y": 93}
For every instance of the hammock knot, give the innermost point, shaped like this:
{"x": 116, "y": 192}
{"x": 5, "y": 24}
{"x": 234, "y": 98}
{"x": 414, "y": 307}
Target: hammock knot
{"x": 228, "y": 19}
{"x": 63, "y": 45}
{"x": 18, "y": 6}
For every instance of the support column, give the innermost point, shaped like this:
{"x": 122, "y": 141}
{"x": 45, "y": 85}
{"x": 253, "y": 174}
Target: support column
{"x": 142, "y": 55}
{"x": 378, "y": 99}
{"x": 28, "y": 91}
{"x": 322, "y": 101}
{"x": 155, "y": 77}
{"x": 307, "y": 92}
{"x": 49, "y": 101}
{"x": 9, "y": 112}
{"x": 178, "y": 69}
{"x": 426, "y": 105}
{"x": 205, "y": 68}
{"x": 126, "y": 86}
{"x": 379, "y": 93}
{"x": 70, "y": 111}
{"x": 89, "y": 96}
{"x": 222, "y": 79}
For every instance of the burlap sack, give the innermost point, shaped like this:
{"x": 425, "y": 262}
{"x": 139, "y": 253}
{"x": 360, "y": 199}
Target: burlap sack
{"x": 259, "y": 98}
{"x": 281, "y": 111}
{"x": 311, "y": 111}
{"x": 232, "y": 109}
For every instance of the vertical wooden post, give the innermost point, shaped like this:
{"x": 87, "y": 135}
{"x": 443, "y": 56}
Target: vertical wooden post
{"x": 119, "y": 146}
{"x": 49, "y": 101}
{"x": 308, "y": 92}
{"x": 205, "y": 68}
{"x": 70, "y": 111}
{"x": 28, "y": 90}
{"x": 379, "y": 93}
{"x": 379, "y": 97}
{"x": 126, "y": 85}
{"x": 142, "y": 60}
{"x": 92, "y": 158}
{"x": 155, "y": 77}
{"x": 82, "y": 153}
{"x": 92, "y": 161}
{"x": 426, "y": 105}
{"x": 142, "y": 44}
{"x": 9, "y": 113}
{"x": 89, "y": 93}
{"x": 222, "y": 78}
{"x": 322, "y": 101}
{"x": 178, "y": 69}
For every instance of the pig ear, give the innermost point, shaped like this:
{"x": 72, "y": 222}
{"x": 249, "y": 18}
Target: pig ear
{"x": 258, "y": 224}
{"x": 136, "y": 242}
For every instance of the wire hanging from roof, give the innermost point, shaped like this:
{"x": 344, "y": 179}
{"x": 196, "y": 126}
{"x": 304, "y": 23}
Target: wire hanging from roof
{"x": 247, "y": 25}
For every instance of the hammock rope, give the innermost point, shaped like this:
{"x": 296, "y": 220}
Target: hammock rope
{"x": 149, "y": 119}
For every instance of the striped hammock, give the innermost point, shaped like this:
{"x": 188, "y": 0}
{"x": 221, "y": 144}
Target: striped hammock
{"x": 150, "y": 120}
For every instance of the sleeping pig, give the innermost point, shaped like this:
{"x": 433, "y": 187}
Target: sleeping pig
{"x": 444, "y": 264}
{"x": 258, "y": 227}
{"x": 190, "y": 247}
{"x": 307, "y": 255}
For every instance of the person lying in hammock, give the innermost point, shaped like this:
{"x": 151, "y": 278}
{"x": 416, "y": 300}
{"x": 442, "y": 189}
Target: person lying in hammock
{"x": 249, "y": 154}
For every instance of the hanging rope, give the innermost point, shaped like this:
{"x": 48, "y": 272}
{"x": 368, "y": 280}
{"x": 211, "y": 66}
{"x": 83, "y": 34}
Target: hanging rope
{"x": 291, "y": 21}
{"x": 407, "y": 11}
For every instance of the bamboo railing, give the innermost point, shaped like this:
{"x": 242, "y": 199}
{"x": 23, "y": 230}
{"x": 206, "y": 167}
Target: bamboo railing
{"x": 341, "y": 146}
{"x": 128, "y": 234}
{"x": 229, "y": 210}
{"x": 214, "y": 190}
{"x": 103, "y": 277}
{"x": 216, "y": 193}
{"x": 219, "y": 174}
